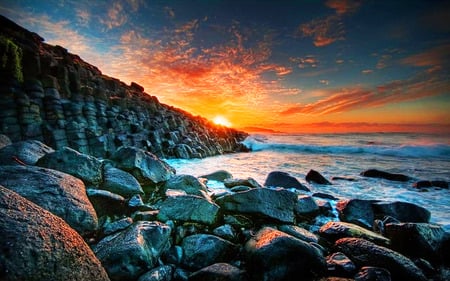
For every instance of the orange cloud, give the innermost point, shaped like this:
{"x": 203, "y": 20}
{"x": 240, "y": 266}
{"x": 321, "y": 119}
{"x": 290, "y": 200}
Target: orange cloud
{"x": 116, "y": 16}
{"x": 343, "y": 6}
{"x": 437, "y": 56}
{"x": 324, "y": 31}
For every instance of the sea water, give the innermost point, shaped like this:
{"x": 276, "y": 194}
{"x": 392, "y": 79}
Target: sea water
{"x": 420, "y": 156}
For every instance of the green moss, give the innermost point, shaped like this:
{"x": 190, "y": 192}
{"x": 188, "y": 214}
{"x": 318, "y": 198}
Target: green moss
{"x": 10, "y": 58}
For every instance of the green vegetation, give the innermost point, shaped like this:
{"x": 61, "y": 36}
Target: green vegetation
{"x": 11, "y": 59}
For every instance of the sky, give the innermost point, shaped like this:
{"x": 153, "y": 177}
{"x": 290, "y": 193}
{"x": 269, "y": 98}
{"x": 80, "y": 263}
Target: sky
{"x": 291, "y": 66}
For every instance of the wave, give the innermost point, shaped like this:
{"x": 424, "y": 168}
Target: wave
{"x": 415, "y": 151}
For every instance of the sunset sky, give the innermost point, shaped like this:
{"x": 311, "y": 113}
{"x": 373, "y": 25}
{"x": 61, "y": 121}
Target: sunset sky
{"x": 303, "y": 66}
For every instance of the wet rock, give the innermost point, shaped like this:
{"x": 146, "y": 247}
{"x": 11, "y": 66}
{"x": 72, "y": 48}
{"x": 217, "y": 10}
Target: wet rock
{"x": 23, "y": 152}
{"x": 87, "y": 168}
{"x": 370, "y": 273}
{"x": 436, "y": 183}
{"x": 219, "y": 272}
{"x": 342, "y": 179}
{"x": 402, "y": 211}
{"x": 250, "y": 182}
{"x": 146, "y": 167}
{"x": 324, "y": 196}
{"x": 37, "y": 245}
{"x": 240, "y": 188}
{"x": 225, "y": 231}
{"x": 316, "y": 177}
{"x": 120, "y": 182}
{"x": 60, "y": 193}
{"x": 130, "y": 253}
{"x": 160, "y": 273}
{"x": 106, "y": 203}
{"x": 299, "y": 233}
{"x": 365, "y": 253}
{"x": 335, "y": 230}
{"x": 356, "y": 211}
{"x": 339, "y": 264}
{"x": 115, "y": 226}
{"x": 188, "y": 208}
{"x": 373, "y": 173}
{"x": 220, "y": 175}
{"x": 189, "y": 184}
{"x": 201, "y": 250}
{"x": 265, "y": 203}
{"x": 145, "y": 215}
{"x": 306, "y": 207}
{"x": 275, "y": 255}
{"x": 282, "y": 179}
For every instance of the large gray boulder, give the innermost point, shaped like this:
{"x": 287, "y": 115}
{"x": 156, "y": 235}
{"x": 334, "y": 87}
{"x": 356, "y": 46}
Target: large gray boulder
{"x": 275, "y": 204}
{"x": 335, "y": 230}
{"x": 60, "y": 193}
{"x": 23, "y": 152}
{"x": 275, "y": 255}
{"x": 120, "y": 182}
{"x": 188, "y": 208}
{"x": 189, "y": 184}
{"x": 128, "y": 254}
{"x": 357, "y": 211}
{"x": 402, "y": 211}
{"x": 219, "y": 272}
{"x": 85, "y": 167}
{"x": 146, "y": 167}
{"x": 283, "y": 179}
{"x": 37, "y": 245}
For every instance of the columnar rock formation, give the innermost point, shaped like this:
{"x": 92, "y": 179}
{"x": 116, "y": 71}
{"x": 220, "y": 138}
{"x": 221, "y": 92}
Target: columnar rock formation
{"x": 51, "y": 95}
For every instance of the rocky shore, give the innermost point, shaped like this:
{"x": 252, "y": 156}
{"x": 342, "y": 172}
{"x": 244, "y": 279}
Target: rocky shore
{"x": 66, "y": 215}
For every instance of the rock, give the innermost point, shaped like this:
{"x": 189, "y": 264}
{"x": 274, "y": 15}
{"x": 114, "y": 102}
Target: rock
{"x": 342, "y": 179}
{"x": 189, "y": 208}
{"x": 419, "y": 240}
{"x": 264, "y": 203}
{"x": 225, "y": 231}
{"x": 220, "y": 175}
{"x": 146, "y": 167}
{"x": 356, "y": 211}
{"x": 250, "y": 182}
{"x": 370, "y": 273}
{"x": 335, "y": 230}
{"x": 339, "y": 264}
{"x": 118, "y": 225}
{"x": 306, "y": 207}
{"x": 219, "y": 272}
{"x": 60, "y": 193}
{"x": 145, "y": 215}
{"x": 173, "y": 256}
{"x": 365, "y": 253}
{"x": 314, "y": 176}
{"x": 373, "y": 173}
{"x": 120, "y": 182}
{"x": 425, "y": 184}
{"x": 324, "y": 196}
{"x": 130, "y": 253}
{"x": 282, "y": 179}
{"x": 87, "y": 168}
{"x": 275, "y": 255}
{"x": 161, "y": 273}
{"x": 4, "y": 141}
{"x": 240, "y": 188}
{"x": 201, "y": 250}
{"x": 106, "y": 203}
{"x": 402, "y": 211}
{"x": 136, "y": 202}
{"x": 37, "y": 245}
{"x": 299, "y": 233}
{"x": 23, "y": 152}
{"x": 189, "y": 184}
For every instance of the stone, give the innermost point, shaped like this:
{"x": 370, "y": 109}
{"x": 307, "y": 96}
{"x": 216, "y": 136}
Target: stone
{"x": 335, "y": 230}
{"x": 240, "y": 188}
{"x": 316, "y": 177}
{"x": 219, "y": 272}
{"x": 275, "y": 255}
{"x": 189, "y": 184}
{"x": 306, "y": 207}
{"x": 120, "y": 182}
{"x": 282, "y": 179}
{"x": 87, "y": 168}
{"x": 220, "y": 175}
{"x": 37, "y": 245}
{"x": 225, "y": 231}
{"x": 365, "y": 253}
{"x": 435, "y": 183}
{"x": 23, "y": 152}
{"x": 201, "y": 250}
{"x": 373, "y": 173}
{"x": 145, "y": 215}
{"x": 106, "y": 203}
{"x": 371, "y": 273}
{"x": 402, "y": 211}
{"x": 146, "y": 167}
{"x": 160, "y": 273}
{"x": 4, "y": 141}
{"x": 357, "y": 211}
{"x": 339, "y": 264}
{"x": 128, "y": 254}
{"x": 115, "y": 226}
{"x": 250, "y": 182}
{"x": 299, "y": 232}
{"x": 266, "y": 203}
{"x": 60, "y": 193}
{"x": 189, "y": 208}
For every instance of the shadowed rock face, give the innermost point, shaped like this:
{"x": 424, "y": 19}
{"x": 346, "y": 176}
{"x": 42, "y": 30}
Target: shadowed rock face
{"x": 37, "y": 245}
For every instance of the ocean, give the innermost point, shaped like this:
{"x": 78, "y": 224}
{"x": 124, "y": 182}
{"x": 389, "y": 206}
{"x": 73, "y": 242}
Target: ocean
{"x": 420, "y": 156}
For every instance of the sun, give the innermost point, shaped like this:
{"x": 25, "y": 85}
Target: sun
{"x": 220, "y": 120}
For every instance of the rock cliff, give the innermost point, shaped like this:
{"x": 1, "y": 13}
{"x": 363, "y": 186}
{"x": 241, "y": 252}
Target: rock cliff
{"x": 51, "y": 95}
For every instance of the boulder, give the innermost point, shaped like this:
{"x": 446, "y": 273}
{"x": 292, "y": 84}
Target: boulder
{"x": 189, "y": 184}
{"x": 37, "y": 245}
{"x": 115, "y": 226}
{"x": 299, "y": 233}
{"x": 60, "y": 193}
{"x": 106, "y": 203}
{"x": 250, "y": 182}
{"x": 306, "y": 207}
{"x": 316, "y": 177}
{"x": 188, "y": 208}
{"x": 160, "y": 273}
{"x": 436, "y": 183}
{"x": 274, "y": 204}
{"x": 335, "y": 230}
{"x": 220, "y": 175}
{"x": 87, "y": 168}
{"x": 339, "y": 264}
{"x": 120, "y": 182}
{"x": 128, "y": 254}
{"x": 225, "y": 231}
{"x": 365, "y": 253}
{"x": 357, "y": 211}
{"x": 275, "y": 255}
{"x": 146, "y": 167}
{"x": 402, "y": 211}
{"x": 4, "y": 141}
{"x": 219, "y": 272}
{"x": 201, "y": 250}
{"x": 282, "y": 179}
{"x": 373, "y": 173}
{"x": 371, "y": 273}
{"x": 23, "y": 152}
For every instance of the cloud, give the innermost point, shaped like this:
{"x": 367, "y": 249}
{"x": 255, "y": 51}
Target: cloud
{"x": 437, "y": 56}
{"x": 324, "y": 31}
{"x": 367, "y": 71}
{"x": 343, "y": 6}
{"x": 83, "y": 17}
{"x": 304, "y": 62}
{"x": 324, "y": 81}
{"x": 116, "y": 16}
